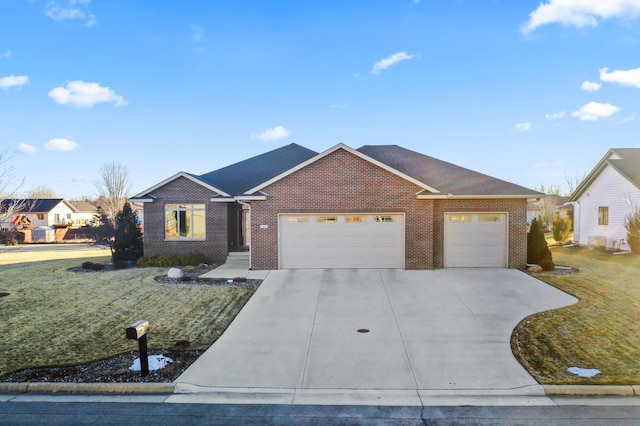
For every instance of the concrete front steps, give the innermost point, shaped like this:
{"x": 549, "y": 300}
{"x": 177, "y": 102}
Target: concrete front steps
{"x": 236, "y": 265}
{"x": 238, "y": 260}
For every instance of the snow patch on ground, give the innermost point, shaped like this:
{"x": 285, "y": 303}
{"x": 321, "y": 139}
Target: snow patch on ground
{"x": 156, "y": 362}
{"x": 583, "y": 372}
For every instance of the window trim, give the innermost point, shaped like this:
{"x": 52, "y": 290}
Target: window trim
{"x": 603, "y": 215}
{"x": 187, "y": 208}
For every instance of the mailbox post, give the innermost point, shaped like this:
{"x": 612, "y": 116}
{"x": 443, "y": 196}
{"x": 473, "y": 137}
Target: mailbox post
{"x": 138, "y": 331}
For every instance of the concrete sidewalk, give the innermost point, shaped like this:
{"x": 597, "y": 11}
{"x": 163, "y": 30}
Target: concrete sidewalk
{"x": 430, "y": 334}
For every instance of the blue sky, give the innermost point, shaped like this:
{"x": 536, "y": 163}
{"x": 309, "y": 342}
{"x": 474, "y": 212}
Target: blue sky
{"x": 526, "y": 91}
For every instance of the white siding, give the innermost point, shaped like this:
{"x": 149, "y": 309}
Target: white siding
{"x": 611, "y": 190}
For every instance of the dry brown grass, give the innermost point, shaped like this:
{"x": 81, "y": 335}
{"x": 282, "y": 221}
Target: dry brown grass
{"x": 601, "y": 331}
{"x": 56, "y": 317}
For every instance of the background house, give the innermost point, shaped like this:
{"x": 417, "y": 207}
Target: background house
{"x": 38, "y": 212}
{"x": 604, "y": 198}
{"x": 547, "y": 207}
{"x": 84, "y": 214}
{"x": 374, "y": 207}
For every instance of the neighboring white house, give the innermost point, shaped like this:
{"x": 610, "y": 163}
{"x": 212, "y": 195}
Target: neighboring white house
{"x": 85, "y": 213}
{"x": 39, "y": 212}
{"x": 605, "y": 197}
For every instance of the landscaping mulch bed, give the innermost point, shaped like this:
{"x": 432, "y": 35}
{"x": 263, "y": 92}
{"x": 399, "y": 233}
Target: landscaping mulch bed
{"x": 110, "y": 370}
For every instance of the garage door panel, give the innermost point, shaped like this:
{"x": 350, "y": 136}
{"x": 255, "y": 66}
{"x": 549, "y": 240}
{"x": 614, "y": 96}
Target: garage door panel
{"x": 341, "y": 241}
{"x": 475, "y": 240}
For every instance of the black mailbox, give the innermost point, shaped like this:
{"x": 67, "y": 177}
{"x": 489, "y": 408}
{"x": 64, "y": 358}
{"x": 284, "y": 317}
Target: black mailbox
{"x": 137, "y": 329}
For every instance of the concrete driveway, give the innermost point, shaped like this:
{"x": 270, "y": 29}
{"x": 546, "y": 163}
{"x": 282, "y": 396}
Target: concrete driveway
{"x": 428, "y": 331}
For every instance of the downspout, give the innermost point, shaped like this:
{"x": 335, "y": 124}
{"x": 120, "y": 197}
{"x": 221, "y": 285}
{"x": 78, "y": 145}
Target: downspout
{"x": 249, "y": 227}
{"x": 577, "y": 226}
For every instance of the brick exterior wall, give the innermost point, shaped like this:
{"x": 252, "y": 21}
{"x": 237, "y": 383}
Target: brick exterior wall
{"x": 338, "y": 183}
{"x": 342, "y": 183}
{"x": 517, "y": 231}
{"x": 183, "y": 190}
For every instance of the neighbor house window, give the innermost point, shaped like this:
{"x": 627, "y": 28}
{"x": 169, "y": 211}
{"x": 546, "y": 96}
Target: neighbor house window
{"x": 603, "y": 215}
{"x": 40, "y": 216}
{"x": 184, "y": 221}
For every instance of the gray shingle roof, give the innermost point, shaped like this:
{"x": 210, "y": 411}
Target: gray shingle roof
{"x": 441, "y": 175}
{"x": 33, "y": 205}
{"x": 628, "y": 165}
{"x": 240, "y": 177}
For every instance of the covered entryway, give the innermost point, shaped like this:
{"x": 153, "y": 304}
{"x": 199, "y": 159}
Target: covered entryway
{"x": 341, "y": 240}
{"x": 475, "y": 240}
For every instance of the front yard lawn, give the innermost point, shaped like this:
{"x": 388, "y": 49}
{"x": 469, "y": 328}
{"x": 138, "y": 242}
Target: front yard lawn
{"x": 54, "y": 317}
{"x": 601, "y": 331}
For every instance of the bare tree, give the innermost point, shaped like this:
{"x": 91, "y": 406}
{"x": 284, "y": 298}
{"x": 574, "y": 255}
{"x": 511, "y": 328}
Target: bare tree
{"x": 547, "y": 204}
{"x": 113, "y": 188}
{"x": 42, "y": 191}
{"x": 10, "y": 203}
{"x": 572, "y": 183}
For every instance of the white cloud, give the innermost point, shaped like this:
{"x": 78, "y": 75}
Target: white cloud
{"x": 26, "y": 148}
{"x": 60, "y": 144}
{"x": 83, "y": 94}
{"x": 197, "y": 33}
{"x": 624, "y": 78}
{"x": 590, "y": 86}
{"x": 339, "y": 106}
{"x": 554, "y": 116}
{"x": 594, "y": 111}
{"x": 274, "y": 134}
{"x": 523, "y": 127}
{"x": 6, "y": 54}
{"x": 385, "y": 63}
{"x": 13, "y": 81}
{"x": 70, "y": 12}
{"x": 627, "y": 119}
{"x": 580, "y": 13}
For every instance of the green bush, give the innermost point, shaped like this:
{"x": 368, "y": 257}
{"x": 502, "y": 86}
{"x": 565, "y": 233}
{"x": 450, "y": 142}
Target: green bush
{"x": 97, "y": 267}
{"x": 537, "y": 249}
{"x": 632, "y": 225}
{"x": 87, "y": 265}
{"x": 127, "y": 244}
{"x": 194, "y": 258}
{"x": 120, "y": 264}
{"x": 561, "y": 228}
{"x": 10, "y": 240}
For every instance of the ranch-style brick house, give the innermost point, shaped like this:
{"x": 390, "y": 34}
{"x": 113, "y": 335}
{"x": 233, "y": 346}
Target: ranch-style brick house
{"x": 373, "y": 207}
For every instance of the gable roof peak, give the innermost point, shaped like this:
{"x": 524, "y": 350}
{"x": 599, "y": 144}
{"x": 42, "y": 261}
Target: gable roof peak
{"x": 625, "y": 161}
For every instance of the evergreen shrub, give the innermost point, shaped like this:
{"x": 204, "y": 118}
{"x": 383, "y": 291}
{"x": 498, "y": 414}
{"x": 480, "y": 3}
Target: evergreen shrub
{"x": 537, "y": 249}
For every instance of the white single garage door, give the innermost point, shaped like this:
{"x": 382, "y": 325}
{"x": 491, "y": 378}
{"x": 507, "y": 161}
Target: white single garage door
{"x": 341, "y": 241}
{"x": 475, "y": 240}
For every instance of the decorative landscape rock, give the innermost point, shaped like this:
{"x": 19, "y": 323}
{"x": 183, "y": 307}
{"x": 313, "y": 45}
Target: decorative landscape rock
{"x": 175, "y": 273}
{"x": 535, "y": 268}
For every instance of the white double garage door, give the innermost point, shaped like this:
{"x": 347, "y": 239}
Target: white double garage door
{"x": 378, "y": 240}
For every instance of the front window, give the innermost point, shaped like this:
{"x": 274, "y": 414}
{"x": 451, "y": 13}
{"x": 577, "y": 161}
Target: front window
{"x": 184, "y": 221}
{"x": 603, "y": 215}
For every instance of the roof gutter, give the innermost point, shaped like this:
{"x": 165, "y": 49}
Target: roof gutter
{"x": 474, "y": 197}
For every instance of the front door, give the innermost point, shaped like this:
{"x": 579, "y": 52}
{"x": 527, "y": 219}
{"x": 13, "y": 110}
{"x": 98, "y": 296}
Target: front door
{"x": 238, "y": 226}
